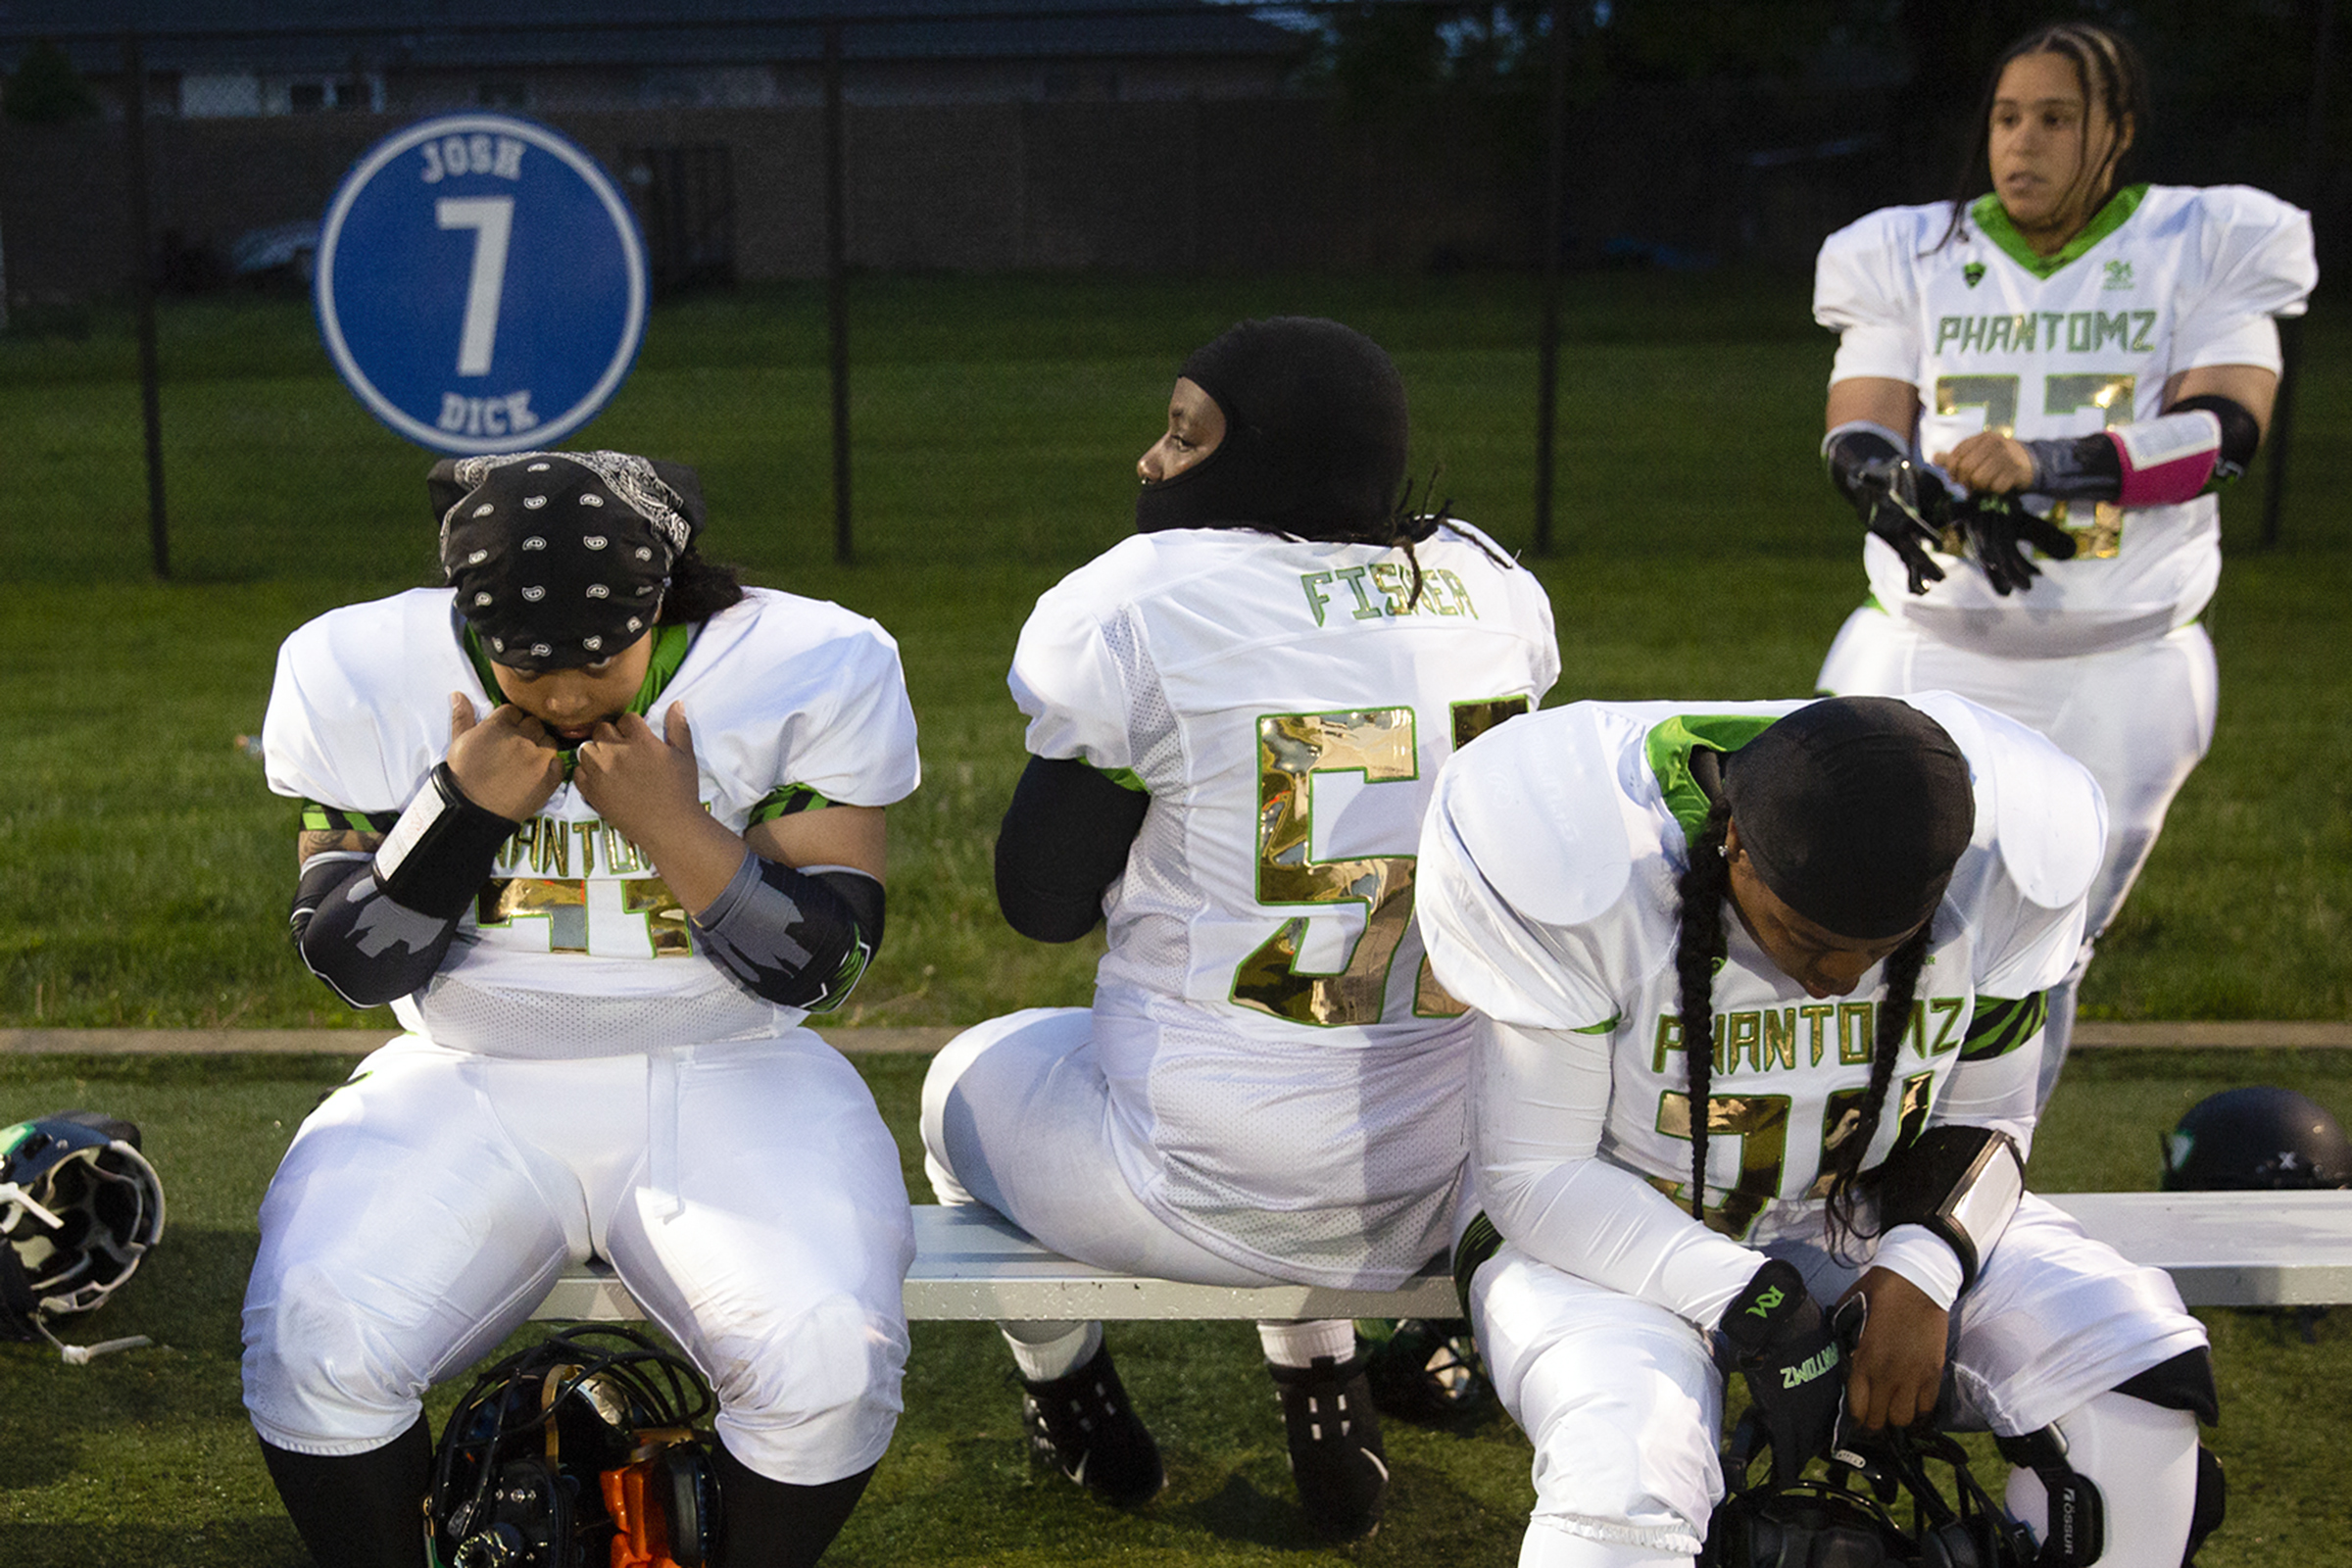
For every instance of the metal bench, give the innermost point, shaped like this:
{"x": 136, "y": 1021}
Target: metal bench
{"x": 2222, "y": 1250}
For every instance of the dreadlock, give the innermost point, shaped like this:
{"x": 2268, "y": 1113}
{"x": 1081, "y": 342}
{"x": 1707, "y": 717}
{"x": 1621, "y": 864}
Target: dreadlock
{"x": 1700, "y": 945}
{"x": 1849, "y": 1143}
{"x": 2111, "y": 75}
{"x": 1697, "y": 948}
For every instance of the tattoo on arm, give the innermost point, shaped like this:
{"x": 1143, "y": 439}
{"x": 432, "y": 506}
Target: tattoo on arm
{"x": 344, "y": 839}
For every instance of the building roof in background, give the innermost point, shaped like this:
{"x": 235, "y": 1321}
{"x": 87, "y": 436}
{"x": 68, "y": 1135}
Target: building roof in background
{"x": 197, "y": 36}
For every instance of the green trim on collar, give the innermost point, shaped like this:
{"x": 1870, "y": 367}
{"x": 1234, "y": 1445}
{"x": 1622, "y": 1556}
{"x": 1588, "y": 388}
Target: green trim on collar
{"x": 670, "y": 646}
{"x": 1994, "y": 220}
{"x": 1669, "y": 749}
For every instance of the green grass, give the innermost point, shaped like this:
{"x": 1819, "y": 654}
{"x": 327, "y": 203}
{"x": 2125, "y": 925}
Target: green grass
{"x": 144, "y": 1458}
{"x": 1697, "y": 554}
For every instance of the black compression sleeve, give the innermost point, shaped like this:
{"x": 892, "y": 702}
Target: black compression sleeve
{"x": 2241, "y": 432}
{"x": 798, "y": 938}
{"x": 366, "y": 946}
{"x": 1065, "y": 839}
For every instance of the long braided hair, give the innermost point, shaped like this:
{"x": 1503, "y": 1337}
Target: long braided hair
{"x": 1704, "y": 889}
{"x": 2111, "y": 75}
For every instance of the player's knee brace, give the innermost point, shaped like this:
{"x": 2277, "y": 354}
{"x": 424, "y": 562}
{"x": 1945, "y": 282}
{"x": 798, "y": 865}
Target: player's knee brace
{"x": 798, "y": 938}
{"x": 2121, "y": 1478}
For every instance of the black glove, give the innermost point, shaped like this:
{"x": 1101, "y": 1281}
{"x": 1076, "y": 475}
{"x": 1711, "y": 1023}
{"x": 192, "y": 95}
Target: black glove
{"x": 1995, "y": 525}
{"x": 1896, "y": 498}
{"x": 1794, "y": 1366}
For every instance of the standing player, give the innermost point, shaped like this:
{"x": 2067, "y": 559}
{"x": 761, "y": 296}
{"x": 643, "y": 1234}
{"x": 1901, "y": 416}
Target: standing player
{"x": 1235, "y": 719}
{"x": 604, "y": 827}
{"x": 2087, "y": 360}
{"x": 1830, "y": 925}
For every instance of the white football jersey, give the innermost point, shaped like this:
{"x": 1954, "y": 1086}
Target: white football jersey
{"x": 2164, "y": 279}
{"x": 1287, "y": 706}
{"x": 575, "y": 946}
{"x": 1549, "y": 897}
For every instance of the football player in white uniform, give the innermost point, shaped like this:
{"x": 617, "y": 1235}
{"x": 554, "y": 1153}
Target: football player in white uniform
{"x": 1831, "y": 925}
{"x": 603, "y": 828}
{"x": 1234, "y": 720}
{"x": 2034, "y": 394}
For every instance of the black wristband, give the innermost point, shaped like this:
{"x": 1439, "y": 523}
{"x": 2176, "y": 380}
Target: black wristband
{"x": 2077, "y": 469}
{"x": 440, "y": 852}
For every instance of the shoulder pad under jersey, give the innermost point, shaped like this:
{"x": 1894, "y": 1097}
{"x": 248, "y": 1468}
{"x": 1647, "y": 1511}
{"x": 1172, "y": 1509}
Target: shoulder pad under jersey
{"x": 2039, "y": 808}
{"x": 1535, "y": 804}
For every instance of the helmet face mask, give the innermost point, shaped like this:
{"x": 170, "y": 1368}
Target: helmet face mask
{"x": 564, "y": 1452}
{"x": 79, "y": 1207}
{"x": 1846, "y": 1519}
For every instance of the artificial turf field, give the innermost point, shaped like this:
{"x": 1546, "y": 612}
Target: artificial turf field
{"x": 1697, "y": 554}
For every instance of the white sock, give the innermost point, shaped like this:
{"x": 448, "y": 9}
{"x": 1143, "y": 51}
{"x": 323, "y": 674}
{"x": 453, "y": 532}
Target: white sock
{"x": 1045, "y": 1351}
{"x": 1296, "y": 1345}
{"x": 2143, "y": 1458}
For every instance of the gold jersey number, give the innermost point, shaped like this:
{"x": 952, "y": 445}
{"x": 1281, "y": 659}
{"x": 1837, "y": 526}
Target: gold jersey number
{"x": 1761, "y": 1124}
{"x": 2102, "y": 538}
{"x": 1292, "y": 748}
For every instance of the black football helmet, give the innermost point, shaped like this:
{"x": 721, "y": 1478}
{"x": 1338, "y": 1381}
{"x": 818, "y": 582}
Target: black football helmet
{"x": 2256, "y": 1139}
{"x": 79, "y": 1206}
{"x": 582, "y": 1451}
{"x": 1846, "y": 1518}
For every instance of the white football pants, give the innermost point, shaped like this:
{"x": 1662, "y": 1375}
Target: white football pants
{"x": 746, "y": 1194}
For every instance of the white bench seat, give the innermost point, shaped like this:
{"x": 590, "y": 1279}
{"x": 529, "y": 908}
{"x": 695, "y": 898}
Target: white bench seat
{"x": 2222, "y": 1250}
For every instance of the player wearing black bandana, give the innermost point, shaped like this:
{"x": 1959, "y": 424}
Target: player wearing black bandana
{"x": 604, "y": 828}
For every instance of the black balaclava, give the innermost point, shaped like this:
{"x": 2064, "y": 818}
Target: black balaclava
{"x": 1315, "y": 435}
{"x": 559, "y": 559}
{"x": 1853, "y": 810}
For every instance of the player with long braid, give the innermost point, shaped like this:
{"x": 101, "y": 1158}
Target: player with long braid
{"x": 1700, "y": 952}
{"x": 1841, "y": 916}
{"x": 2036, "y": 392}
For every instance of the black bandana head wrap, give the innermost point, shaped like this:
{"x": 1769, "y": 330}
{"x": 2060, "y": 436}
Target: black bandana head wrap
{"x": 1853, "y": 810}
{"x": 559, "y": 559}
{"x": 1315, "y": 435}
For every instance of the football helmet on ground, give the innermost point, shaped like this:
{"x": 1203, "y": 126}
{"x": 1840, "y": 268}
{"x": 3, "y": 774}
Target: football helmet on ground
{"x": 1846, "y": 1519}
{"x": 79, "y": 1206}
{"x": 583, "y": 1449}
{"x": 2257, "y": 1138}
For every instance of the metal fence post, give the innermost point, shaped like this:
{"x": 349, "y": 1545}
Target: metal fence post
{"x": 836, "y": 310}
{"x": 142, "y": 294}
{"x": 1547, "y": 331}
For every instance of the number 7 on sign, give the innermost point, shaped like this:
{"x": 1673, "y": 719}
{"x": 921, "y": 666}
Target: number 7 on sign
{"x": 492, "y": 217}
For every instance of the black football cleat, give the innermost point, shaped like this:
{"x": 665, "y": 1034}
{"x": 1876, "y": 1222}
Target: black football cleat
{"x": 1427, "y": 1371}
{"x": 1082, "y": 1424}
{"x": 1336, "y": 1456}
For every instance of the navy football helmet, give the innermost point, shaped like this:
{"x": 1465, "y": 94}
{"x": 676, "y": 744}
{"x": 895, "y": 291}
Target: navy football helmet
{"x": 2256, "y": 1139}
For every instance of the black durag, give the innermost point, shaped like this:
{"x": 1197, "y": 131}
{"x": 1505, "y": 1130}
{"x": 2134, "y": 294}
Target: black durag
{"x": 1853, "y": 810}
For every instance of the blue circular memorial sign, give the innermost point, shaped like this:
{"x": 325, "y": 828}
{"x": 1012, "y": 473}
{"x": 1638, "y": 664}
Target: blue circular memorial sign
{"x": 481, "y": 284}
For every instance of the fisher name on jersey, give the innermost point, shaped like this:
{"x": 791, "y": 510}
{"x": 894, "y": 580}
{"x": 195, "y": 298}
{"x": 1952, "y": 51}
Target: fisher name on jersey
{"x": 1548, "y": 895}
{"x": 574, "y": 947}
{"x": 1287, "y": 706}
{"x": 2163, "y": 279}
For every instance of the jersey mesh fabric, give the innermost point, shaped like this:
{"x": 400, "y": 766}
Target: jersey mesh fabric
{"x": 495, "y": 1020}
{"x": 1226, "y": 1178}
